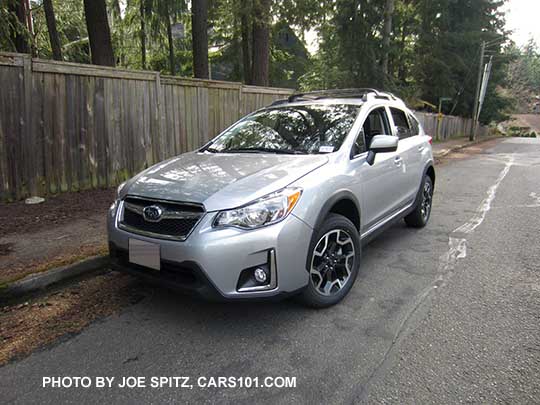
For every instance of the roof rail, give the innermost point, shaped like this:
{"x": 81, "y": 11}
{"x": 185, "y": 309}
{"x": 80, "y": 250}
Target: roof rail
{"x": 344, "y": 93}
{"x": 280, "y": 101}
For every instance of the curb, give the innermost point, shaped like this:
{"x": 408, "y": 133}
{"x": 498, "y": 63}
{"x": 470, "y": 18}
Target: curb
{"x": 445, "y": 152}
{"x": 40, "y": 281}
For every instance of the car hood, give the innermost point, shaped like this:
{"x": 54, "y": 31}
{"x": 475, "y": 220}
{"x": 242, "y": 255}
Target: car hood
{"x": 221, "y": 181}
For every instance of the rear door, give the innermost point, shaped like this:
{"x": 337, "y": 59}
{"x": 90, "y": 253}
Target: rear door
{"x": 408, "y": 154}
{"x": 418, "y": 151}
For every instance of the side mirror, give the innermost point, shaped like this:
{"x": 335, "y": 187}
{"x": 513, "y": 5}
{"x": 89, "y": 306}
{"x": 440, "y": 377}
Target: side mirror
{"x": 381, "y": 144}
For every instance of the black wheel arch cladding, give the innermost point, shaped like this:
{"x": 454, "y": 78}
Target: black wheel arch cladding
{"x": 341, "y": 198}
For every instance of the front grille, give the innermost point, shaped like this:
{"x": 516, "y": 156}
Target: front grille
{"x": 177, "y": 219}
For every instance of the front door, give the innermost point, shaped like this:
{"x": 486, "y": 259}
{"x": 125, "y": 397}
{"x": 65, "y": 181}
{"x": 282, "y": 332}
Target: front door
{"x": 381, "y": 189}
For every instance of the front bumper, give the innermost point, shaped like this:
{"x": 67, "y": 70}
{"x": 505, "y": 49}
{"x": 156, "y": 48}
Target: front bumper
{"x": 209, "y": 262}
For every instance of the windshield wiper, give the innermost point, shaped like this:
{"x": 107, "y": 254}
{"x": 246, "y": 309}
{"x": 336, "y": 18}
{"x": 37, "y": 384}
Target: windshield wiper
{"x": 263, "y": 150}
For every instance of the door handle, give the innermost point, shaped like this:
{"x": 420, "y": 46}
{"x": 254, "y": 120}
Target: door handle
{"x": 398, "y": 161}
{"x": 420, "y": 148}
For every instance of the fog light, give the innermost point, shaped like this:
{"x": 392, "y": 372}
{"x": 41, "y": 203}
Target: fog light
{"x": 260, "y": 275}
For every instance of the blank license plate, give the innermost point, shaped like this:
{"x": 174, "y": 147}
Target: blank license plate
{"x": 144, "y": 254}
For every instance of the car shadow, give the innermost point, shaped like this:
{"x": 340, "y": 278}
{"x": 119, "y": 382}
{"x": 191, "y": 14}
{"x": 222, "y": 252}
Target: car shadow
{"x": 192, "y": 308}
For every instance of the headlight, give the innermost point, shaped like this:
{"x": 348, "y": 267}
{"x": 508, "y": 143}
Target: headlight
{"x": 265, "y": 211}
{"x": 113, "y": 208}
{"x": 114, "y": 205}
{"x": 119, "y": 189}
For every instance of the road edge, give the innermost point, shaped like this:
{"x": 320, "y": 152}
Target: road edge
{"x": 445, "y": 152}
{"x": 40, "y": 281}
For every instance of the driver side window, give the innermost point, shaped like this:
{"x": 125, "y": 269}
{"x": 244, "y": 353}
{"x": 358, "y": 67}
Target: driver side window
{"x": 376, "y": 123}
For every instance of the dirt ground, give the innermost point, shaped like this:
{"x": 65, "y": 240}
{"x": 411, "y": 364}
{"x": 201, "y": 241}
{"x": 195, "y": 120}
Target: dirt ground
{"x": 33, "y": 238}
{"x": 18, "y": 217}
{"x": 527, "y": 120}
{"x": 59, "y": 231}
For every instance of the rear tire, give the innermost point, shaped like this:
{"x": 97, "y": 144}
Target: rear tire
{"x": 420, "y": 216}
{"x": 333, "y": 262}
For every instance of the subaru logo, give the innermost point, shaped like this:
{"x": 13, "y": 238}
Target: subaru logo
{"x": 152, "y": 213}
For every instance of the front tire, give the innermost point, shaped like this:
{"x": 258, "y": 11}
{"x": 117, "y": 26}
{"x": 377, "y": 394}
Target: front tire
{"x": 420, "y": 216}
{"x": 333, "y": 262}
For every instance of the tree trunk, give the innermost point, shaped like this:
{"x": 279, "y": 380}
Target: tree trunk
{"x": 51, "y": 27}
{"x": 171, "y": 43}
{"x": 199, "y": 32}
{"x": 143, "y": 33}
{"x": 99, "y": 33}
{"x": 20, "y": 40}
{"x": 246, "y": 53}
{"x": 261, "y": 43}
{"x": 387, "y": 31}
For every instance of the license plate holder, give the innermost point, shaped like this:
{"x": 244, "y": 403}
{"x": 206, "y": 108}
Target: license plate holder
{"x": 144, "y": 254}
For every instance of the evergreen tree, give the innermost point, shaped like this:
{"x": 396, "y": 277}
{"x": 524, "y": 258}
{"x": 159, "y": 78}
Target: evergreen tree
{"x": 448, "y": 50}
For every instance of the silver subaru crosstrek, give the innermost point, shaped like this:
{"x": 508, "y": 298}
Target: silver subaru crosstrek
{"x": 279, "y": 203}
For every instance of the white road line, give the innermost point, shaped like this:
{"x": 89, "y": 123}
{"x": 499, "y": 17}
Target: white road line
{"x": 457, "y": 245}
{"x": 457, "y": 249}
{"x": 485, "y": 206}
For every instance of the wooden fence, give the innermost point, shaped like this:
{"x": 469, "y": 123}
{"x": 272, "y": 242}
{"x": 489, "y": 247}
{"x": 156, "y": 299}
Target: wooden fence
{"x": 450, "y": 126}
{"x": 70, "y": 127}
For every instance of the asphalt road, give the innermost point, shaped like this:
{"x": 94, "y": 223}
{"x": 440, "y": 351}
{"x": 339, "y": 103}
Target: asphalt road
{"x": 447, "y": 314}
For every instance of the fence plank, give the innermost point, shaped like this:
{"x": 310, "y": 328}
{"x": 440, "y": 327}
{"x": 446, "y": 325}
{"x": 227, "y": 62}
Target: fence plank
{"x": 176, "y": 120}
{"x": 48, "y": 132}
{"x": 11, "y": 78}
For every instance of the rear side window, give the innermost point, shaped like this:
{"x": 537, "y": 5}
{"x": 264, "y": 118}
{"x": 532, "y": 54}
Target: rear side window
{"x": 415, "y": 127}
{"x": 401, "y": 123}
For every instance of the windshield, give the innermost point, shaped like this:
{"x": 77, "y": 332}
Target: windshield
{"x": 296, "y": 130}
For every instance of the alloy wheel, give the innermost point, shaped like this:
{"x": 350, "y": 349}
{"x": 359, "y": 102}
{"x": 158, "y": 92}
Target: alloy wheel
{"x": 332, "y": 262}
{"x": 427, "y": 196}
